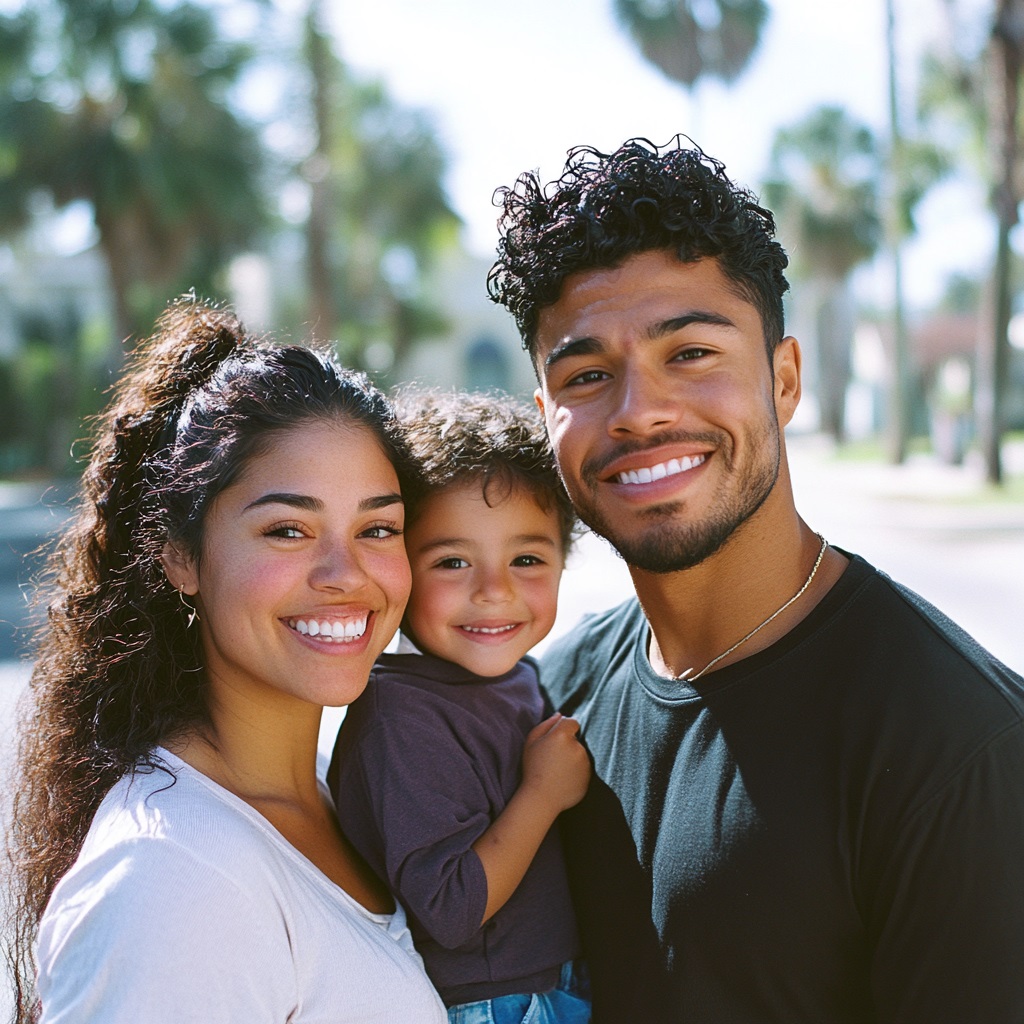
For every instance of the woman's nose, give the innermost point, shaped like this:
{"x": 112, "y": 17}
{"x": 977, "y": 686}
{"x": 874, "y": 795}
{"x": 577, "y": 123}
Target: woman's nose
{"x": 338, "y": 567}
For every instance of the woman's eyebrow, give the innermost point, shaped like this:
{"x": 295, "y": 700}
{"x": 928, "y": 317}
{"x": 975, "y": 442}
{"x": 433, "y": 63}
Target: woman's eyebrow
{"x": 307, "y": 503}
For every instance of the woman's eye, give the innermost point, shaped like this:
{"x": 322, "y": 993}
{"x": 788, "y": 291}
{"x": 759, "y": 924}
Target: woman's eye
{"x": 381, "y": 532}
{"x": 286, "y": 530}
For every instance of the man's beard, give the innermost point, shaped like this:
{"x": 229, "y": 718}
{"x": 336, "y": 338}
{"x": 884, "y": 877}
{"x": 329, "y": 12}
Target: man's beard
{"x": 664, "y": 541}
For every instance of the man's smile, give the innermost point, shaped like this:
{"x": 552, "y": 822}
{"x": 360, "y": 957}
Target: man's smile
{"x": 648, "y": 474}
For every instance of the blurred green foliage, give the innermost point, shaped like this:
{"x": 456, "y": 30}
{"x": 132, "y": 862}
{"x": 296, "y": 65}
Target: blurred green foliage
{"x": 143, "y": 111}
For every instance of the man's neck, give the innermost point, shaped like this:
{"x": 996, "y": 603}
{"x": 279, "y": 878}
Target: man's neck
{"x": 697, "y": 614}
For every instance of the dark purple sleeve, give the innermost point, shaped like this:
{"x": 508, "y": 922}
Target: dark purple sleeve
{"x": 410, "y": 801}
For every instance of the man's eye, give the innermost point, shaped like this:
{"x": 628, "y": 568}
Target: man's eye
{"x": 587, "y": 377}
{"x": 689, "y": 353}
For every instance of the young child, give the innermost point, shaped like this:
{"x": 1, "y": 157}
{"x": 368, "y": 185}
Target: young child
{"x": 445, "y": 776}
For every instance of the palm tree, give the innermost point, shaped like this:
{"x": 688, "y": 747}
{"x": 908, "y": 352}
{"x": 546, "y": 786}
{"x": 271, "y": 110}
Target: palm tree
{"x": 824, "y": 186}
{"x": 125, "y": 106}
{"x": 379, "y": 214}
{"x": 981, "y": 93}
{"x": 689, "y": 39}
{"x": 1005, "y": 63}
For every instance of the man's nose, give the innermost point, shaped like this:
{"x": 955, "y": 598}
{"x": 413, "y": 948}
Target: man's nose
{"x": 645, "y": 404}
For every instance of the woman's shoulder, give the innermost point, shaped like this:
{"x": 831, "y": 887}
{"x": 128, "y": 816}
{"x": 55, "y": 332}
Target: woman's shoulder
{"x": 168, "y": 806}
{"x": 166, "y": 886}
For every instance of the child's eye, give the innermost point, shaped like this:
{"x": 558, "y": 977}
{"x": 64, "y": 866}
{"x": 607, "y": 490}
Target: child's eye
{"x": 452, "y": 563}
{"x": 522, "y": 561}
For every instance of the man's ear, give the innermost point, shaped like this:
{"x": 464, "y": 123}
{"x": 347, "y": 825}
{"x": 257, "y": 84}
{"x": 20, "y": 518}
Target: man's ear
{"x": 538, "y": 397}
{"x": 179, "y": 569}
{"x": 787, "y": 361}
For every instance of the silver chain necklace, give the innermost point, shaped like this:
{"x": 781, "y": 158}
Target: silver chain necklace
{"x": 687, "y": 677}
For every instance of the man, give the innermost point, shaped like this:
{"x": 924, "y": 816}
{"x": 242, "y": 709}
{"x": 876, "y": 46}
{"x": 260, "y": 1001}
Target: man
{"x": 808, "y": 800}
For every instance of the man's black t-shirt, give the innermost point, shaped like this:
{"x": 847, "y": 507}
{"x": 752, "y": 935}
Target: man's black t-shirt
{"x": 828, "y": 831}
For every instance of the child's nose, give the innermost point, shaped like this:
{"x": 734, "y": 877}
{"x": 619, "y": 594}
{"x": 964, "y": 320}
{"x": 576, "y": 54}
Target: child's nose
{"x": 493, "y": 585}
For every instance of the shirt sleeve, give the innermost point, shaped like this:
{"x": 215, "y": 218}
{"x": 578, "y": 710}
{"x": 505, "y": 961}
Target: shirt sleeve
{"x": 410, "y": 800}
{"x": 147, "y": 932}
{"x": 949, "y": 912}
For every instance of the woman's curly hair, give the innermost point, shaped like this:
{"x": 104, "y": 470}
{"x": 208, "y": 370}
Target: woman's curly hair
{"x": 493, "y": 439}
{"x": 117, "y": 668}
{"x": 608, "y": 206}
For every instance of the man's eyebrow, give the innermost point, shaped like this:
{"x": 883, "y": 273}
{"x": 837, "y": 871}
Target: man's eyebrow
{"x": 573, "y": 347}
{"x": 588, "y": 346}
{"x": 678, "y": 323}
{"x": 307, "y": 503}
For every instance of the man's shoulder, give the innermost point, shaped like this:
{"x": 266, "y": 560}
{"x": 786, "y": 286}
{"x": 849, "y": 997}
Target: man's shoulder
{"x": 610, "y": 627}
{"x": 913, "y": 624}
{"x": 596, "y": 645}
{"x": 892, "y": 656}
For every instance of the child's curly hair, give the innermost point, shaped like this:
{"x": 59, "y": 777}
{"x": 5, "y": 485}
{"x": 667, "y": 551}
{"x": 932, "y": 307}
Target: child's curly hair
{"x": 456, "y": 437}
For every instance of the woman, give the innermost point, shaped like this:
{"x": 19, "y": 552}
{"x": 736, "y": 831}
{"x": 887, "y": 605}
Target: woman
{"x": 237, "y": 563}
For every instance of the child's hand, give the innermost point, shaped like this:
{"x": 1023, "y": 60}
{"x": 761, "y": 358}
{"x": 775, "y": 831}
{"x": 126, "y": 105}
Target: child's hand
{"x": 555, "y": 763}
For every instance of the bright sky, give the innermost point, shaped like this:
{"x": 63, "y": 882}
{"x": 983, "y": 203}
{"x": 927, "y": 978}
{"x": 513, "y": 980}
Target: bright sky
{"x": 513, "y": 85}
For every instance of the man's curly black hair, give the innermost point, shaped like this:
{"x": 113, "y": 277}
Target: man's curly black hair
{"x": 607, "y": 207}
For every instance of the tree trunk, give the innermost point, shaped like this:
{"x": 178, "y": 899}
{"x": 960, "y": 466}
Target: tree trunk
{"x": 118, "y": 262}
{"x": 1005, "y": 62}
{"x": 323, "y": 315}
{"x": 899, "y": 356}
{"x": 835, "y": 342}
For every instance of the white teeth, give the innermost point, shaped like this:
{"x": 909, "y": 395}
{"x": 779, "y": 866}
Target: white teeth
{"x": 351, "y": 629}
{"x": 647, "y": 475}
{"x": 489, "y": 629}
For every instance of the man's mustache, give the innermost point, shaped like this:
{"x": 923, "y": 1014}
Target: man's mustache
{"x": 593, "y": 469}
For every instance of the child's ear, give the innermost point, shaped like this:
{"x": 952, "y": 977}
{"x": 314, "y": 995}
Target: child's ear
{"x": 179, "y": 569}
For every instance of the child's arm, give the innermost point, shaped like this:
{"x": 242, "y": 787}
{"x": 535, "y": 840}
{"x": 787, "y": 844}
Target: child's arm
{"x": 556, "y": 771}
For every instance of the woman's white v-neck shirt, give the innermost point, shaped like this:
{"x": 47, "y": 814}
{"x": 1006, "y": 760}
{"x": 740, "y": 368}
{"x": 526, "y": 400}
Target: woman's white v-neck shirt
{"x": 186, "y": 905}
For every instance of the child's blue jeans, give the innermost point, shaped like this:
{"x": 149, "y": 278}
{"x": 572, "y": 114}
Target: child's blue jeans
{"x": 569, "y": 1003}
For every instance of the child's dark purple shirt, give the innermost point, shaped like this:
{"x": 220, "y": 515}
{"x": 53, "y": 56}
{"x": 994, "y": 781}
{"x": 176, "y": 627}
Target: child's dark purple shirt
{"x": 425, "y": 761}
